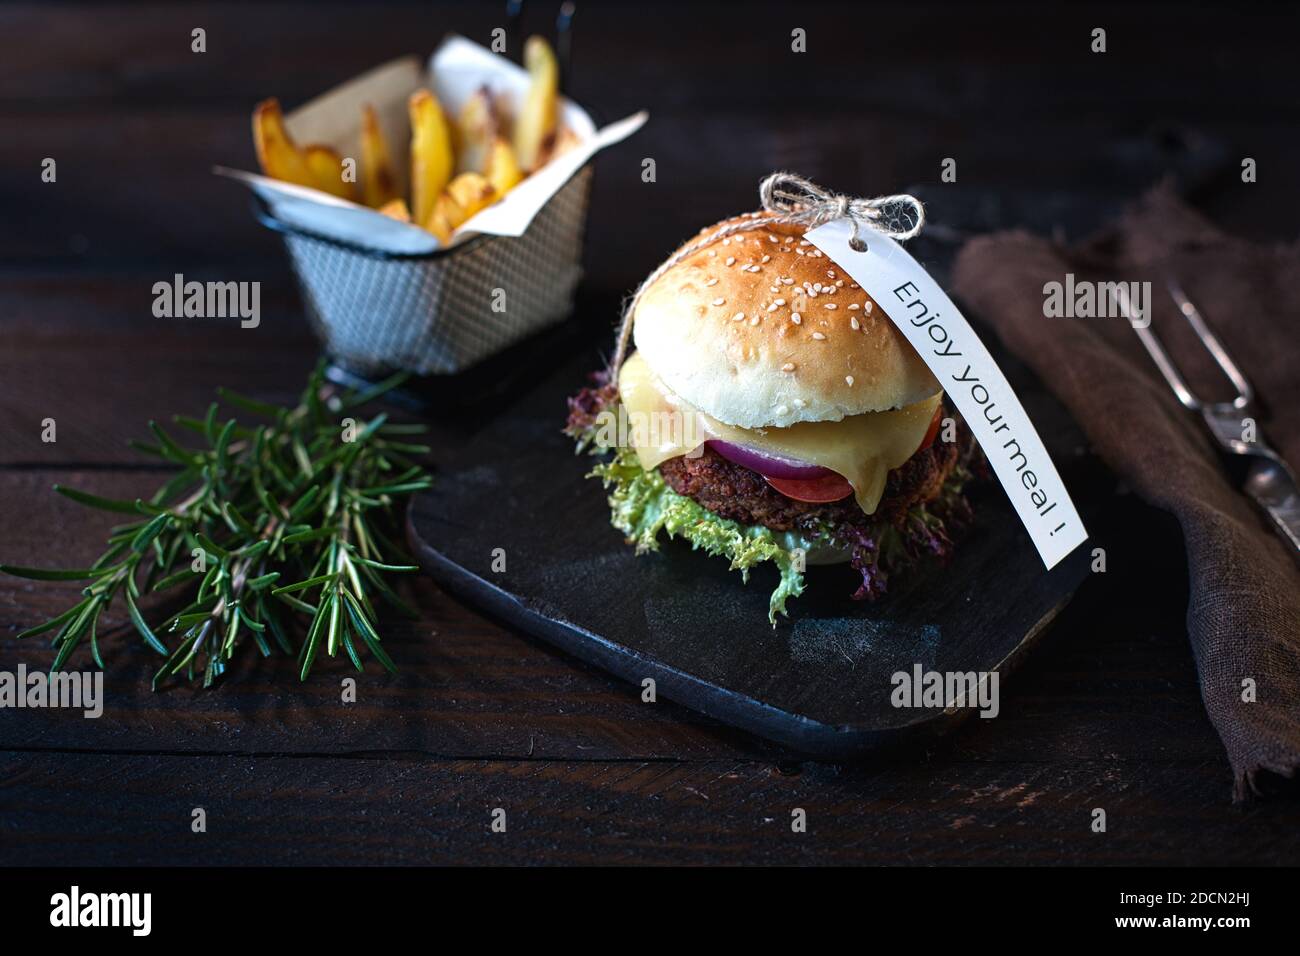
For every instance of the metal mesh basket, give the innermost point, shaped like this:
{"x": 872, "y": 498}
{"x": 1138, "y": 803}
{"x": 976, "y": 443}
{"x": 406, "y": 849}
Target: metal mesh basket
{"x": 438, "y": 313}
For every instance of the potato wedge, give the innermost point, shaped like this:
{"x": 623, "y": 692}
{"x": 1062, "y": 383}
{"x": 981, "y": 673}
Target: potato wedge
{"x": 502, "y": 169}
{"x": 465, "y": 195}
{"x": 327, "y": 170}
{"x": 535, "y": 126}
{"x": 444, "y": 218}
{"x": 431, "y": 155}
{"x": 476, "y": 127}
{"x": 396, "y": 209}
{"x": 378, "y": 181}
{"x": 277, "y": 154}
{"x": 471, "y": 192}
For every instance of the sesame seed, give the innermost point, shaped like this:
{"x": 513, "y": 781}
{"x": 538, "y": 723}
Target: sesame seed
{"x": 738, "y": 316}
{"x": 766, "y": 259}
{"x": 788, "y": 367}
{"x": 726, "y": 242}
{"x": 866, "y": 306}
{"x": 853, "y": 306}
{"x": 754, "y": 320}
{"x": 804, "y": 242}
{"x": 839, "y": 283}
{"x": 712, "y": 282}
{"x": 772, "y": 307}
{"x": 780, "y": 301}
{"x": 787, "y": 281}
{"x": 796, "y": 318}
{"x": 849, "y": 379}
{"x": 712, "y": 253}
{"x": 799, "y": 403}
{"x": 755, "y": 269}
{"x": 855, "y": 323}
{"x": 783, "y": 409}
{"x": 812, "y": 293}
{"x": 771, "y": 238}
{"x": 828, "y": 305}
{"x": 819, "y": 337}
{"x": 789, "y": 238}
{"x": 731, "y": 260}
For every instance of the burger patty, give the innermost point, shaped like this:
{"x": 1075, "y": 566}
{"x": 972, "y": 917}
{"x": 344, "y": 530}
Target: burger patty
{"x": 733, "y": 491}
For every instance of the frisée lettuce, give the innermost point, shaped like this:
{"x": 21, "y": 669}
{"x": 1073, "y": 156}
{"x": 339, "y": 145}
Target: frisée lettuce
{"x": 641, "y": 505}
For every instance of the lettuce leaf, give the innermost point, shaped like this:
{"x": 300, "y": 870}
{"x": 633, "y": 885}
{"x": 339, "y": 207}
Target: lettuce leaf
{"x": 642, "y": 505}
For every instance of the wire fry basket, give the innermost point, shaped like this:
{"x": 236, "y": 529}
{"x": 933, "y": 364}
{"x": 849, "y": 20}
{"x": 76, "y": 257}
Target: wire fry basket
{"x": 438, "y": 313}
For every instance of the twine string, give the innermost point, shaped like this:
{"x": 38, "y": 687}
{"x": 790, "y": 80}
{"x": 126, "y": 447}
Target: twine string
{"x": 795, "y": 201}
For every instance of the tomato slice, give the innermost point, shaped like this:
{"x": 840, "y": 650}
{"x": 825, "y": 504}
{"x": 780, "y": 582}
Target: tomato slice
{"x": 833, "y": 487}
{"x": 932, "y": 432}
{"x": 830, "y": 487}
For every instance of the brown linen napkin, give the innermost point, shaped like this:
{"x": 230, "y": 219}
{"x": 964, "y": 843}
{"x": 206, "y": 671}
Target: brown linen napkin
{"x": 1244, "y": 614}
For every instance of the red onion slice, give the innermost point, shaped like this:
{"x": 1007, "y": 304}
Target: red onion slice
{"x": 766, "y": 463}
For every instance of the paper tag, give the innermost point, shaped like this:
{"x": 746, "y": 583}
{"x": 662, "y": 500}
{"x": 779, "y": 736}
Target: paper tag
{"x": 948, "y": 345}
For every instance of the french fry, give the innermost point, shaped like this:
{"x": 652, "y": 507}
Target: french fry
{"x": 327, "y": 171}
{"x": 444, "y": 219}
{"x": 396, "y": 209}
{"x": 465, "y": 195}
{"x": 471, "y": 192}
{"x": 502, "y": 169}
{"x": 535, "y": 127}
{"x": 378, "y": 183}
{"x": 476, "y": 128}
{"x": 277, "y": 154}
{"x": 431, "y": 155}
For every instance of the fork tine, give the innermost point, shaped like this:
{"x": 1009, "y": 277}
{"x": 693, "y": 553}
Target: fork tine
{"x": 1245, "y": 394}
{"x": 1154, "y": 347}
{"x": 1158, "y": 354}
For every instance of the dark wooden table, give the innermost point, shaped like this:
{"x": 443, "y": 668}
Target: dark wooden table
{"x": 1106, "y": 713}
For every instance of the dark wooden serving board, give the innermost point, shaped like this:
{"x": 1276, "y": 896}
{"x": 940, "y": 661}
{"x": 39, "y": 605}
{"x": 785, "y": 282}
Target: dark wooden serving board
{"x": 819, "y": 682}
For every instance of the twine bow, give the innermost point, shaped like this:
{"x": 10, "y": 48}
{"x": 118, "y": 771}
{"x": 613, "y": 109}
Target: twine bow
{"x": 796, "y": 201}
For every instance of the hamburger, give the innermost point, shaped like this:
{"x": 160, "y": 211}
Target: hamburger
{"x": 771, "y": 412}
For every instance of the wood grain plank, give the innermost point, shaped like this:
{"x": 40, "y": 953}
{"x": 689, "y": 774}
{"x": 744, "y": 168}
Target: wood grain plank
{"x": 91, "y": 53}
{"x": 90, "y": 355}
{"x": 172, "y": 214}
{"x": 120, "y": 809}
{"x": 107, "y": 91}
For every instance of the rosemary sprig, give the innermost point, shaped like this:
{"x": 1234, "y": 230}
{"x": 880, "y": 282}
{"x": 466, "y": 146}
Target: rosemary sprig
{"x": 261, "y": 525}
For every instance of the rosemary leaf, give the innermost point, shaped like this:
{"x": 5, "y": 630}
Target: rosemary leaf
{"x": 94, "y": 501}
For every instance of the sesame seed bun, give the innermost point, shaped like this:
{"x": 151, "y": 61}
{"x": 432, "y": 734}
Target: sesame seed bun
{"x": 715, "y": 333}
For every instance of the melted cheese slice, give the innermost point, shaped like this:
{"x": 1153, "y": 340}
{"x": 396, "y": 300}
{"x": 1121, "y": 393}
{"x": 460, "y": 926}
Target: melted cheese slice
{"x": 863, "y": 448}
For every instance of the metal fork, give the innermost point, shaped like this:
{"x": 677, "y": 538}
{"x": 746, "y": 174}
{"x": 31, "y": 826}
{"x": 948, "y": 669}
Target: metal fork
{"x": 1269, "y": 479}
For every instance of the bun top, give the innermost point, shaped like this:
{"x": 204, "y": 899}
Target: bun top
{"x": 762, "y": 329}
